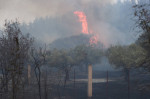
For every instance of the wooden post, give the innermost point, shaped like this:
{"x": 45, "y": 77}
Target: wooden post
{"x": 29, "y": 74}
{"x": 89, "y": 81}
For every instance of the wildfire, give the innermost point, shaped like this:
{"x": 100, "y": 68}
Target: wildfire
{"x": 93, "y": 40}
{"x": 82, "y": 18}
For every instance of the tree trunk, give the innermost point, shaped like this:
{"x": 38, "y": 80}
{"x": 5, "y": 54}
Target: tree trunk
{"x": 13, "y": 87}
{"x": 66, "y": 77}
{"x": 45, "y": 85}
{"x": 74, "y": 78}
{"x": 128, "y": 84}
{"x": 126, "y": 70}
{"x": 38, "y": 77}
{"x": 39, "y": 83}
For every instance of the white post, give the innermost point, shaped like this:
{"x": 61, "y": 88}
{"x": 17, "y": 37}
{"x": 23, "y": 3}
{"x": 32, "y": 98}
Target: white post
{"x": 90, "y": 81}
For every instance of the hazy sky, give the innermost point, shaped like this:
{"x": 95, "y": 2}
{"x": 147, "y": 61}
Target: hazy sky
{"x": 54, "y": 18}
{"x": 28, "y": 10}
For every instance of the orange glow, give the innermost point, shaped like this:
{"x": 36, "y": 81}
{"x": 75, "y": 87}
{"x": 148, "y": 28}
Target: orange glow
{"x": 93, "y": 40}
{"x": 82, "y": 19}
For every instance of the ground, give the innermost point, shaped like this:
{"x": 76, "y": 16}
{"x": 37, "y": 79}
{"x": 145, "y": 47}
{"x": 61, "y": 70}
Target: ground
{"x": 117, "y": 87}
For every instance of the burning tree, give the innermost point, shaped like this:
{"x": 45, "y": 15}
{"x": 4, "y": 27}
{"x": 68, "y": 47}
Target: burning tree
{"x": 14, "y": 48}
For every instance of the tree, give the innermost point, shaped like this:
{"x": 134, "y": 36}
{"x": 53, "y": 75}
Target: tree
{"x": 87, "y": 55}
{"x": 39, "y": 59}
{"x": 62, "y": 60}
{"x": 126, "y": 57}
{"x": 14, "y": 48}
{"x": 66, "y": 59}
{"x": 142, "y": 17}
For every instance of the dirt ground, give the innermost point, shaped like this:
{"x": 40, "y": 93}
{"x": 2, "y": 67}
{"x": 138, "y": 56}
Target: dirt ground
{"x": 117, "y": 87}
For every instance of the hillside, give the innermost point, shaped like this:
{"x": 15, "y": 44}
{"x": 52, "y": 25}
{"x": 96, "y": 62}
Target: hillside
{"x": 71, "y": 42}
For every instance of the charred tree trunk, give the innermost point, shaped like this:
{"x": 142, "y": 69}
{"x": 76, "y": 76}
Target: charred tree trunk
{"x": 74, "y": 78}
{"x": 126, "y": 70}
{"x": 13, "y": 88}
{"x": 66, "y": 77}
{"x": 127, "y": 78}
{"x": 39, "y": 83}
{"x": 128, "y": 84}
{"x": 45, "y": 85}
{"x": 86, "y": 68}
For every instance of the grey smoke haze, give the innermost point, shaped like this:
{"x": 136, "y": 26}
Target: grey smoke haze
{"x": 48, "y": 20}
{"x": 29, "y": 10}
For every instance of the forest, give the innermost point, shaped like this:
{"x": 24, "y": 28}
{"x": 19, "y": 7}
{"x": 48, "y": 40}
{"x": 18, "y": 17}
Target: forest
{"x": 63, "y": 68}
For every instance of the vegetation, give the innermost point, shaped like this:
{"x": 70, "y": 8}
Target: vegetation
{"x": 142, "y": 15}
{"x": 14, "y": 48}
{"x": 138, "y": 54}
{"x": 65, "y": 60}
{"x": 126, "y": 56}
{"x": 17, "y": 51}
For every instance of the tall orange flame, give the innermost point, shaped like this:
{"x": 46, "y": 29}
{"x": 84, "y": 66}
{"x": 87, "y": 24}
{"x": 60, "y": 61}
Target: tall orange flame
{"x": 83, "y": 20}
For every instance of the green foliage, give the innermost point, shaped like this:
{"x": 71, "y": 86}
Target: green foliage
{"x": 60, "y": 59}
{"x": 79, "y": 55}
{"x": 115, "y": 55}
{"x": 87, "y": 54}
{"x": 126, "y": 56}
{"x": 142, "y": 16}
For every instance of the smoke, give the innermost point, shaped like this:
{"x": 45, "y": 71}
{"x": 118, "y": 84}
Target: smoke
{"x": 27, "y": 11}
{"x": 48, "y": 20}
